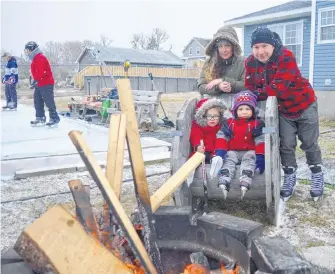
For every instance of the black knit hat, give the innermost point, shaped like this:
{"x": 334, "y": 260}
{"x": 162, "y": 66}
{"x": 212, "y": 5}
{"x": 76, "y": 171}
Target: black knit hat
{"x": 263, "y": 35}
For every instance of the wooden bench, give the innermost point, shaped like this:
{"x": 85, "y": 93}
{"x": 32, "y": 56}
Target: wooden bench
{"x": 146, "y": 106}
{"x": 265, "y": 186}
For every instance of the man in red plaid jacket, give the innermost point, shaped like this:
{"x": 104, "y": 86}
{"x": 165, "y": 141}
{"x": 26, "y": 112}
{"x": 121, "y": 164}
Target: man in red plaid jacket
{"x": 272, "y": 70}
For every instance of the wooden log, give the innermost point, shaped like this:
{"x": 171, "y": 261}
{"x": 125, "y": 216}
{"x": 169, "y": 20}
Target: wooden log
{"x": 114, "y": 169}
{"x": 175, "y": 180}
{"x": 138, "y": 170}
{"x": 84, "y": 210}
{"x": 58, "y": 243}
{"x": 115, "y": 153}
{"x": 112, "y": 200}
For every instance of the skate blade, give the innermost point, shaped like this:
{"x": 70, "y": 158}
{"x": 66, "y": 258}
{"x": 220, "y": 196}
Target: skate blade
{"x": 38, "y": 125}
{"x": 317, "y": 199}
{"x": 224, "y": 191}
{"x": 243, "y": 191}
{"x": 52, "y": 126}
{"x": 216, "y": 165}
{"x": 285, "y": 199}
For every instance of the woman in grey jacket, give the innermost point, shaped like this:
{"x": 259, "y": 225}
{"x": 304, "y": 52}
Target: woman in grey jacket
{"x": 223, "y": 71}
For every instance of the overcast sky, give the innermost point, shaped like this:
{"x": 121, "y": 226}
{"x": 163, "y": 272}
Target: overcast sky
{"x": 41, "y": 21}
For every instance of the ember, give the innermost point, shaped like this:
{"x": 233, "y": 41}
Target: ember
{"x": 195, "y": 269}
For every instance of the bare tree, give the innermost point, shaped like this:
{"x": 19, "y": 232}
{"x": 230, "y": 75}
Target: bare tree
{"x": 105, "y": 41}
{"x": 139, "y": 41}
{"x": 157, "y": 38}
{"x": 152, "y": 41}
{"x": 53, "y": 51}
{"x": 71, "y": 51}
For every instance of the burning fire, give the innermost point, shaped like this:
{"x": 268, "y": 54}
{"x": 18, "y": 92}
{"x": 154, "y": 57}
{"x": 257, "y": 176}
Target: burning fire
{"x": 200, "y": 269}
{"x": 195, "y": 269}
{"x": 136, "y": 267}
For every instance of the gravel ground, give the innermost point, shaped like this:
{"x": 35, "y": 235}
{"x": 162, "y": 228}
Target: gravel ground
{"x": 18, "y": 214}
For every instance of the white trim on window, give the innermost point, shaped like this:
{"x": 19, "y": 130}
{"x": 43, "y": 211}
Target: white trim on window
{"x": 312, "y": 44}
{"x": 301, "y": 22}
{"x": 197, "y": 50}
{"x": 190, "y": 51}
{"x": 319, "y": 25}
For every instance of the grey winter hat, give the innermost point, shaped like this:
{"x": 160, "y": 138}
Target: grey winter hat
{"x": 228, "y": 33}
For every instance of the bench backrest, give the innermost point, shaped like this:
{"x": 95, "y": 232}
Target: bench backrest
{"x": 147, "y": 96}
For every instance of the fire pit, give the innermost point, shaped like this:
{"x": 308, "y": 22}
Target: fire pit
{"x": 227, "y": 244}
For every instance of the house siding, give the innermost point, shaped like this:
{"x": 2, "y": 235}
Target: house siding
{"x": 304, "y": 68}
{"x": 87, "y": 60}
{"x": 324, "y": 55}
{"x": 194, "y": 44}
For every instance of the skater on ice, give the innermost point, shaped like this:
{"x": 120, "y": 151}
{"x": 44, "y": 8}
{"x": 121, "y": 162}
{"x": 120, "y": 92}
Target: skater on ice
{"x": 10, "y": 79}
{"x": 43, "y": 83}
{"x": 239, "y": 141}
{"x": 272, "y": 70}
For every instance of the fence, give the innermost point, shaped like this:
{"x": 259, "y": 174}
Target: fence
{"x": 118, "y": 71}
{"x": 94, "y": 84}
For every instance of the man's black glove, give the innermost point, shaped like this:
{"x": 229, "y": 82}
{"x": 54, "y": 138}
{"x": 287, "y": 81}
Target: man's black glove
{"x": 33, "y": 84}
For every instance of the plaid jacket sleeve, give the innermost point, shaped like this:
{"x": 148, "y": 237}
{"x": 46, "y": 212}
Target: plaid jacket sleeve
{"x": 250, "y": 81}
{"x": 285, "y": 74}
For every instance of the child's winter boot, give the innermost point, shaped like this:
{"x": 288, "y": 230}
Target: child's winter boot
{"x": 245, "y": 182}
{"x": 224, "y": 182}
{"x": 288, "y": 188}
{"x": 317, "y": 182}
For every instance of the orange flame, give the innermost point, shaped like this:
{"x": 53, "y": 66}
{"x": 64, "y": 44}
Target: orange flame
{"x": 136, "y": 267}
{"x": 195, "y": 269}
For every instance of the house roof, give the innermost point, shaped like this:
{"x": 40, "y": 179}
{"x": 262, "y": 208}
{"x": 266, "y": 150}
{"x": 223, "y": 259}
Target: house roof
{"x": 119, "y": 55}
{"x": 202, "y": 41}
{"x": 290, "y": 10}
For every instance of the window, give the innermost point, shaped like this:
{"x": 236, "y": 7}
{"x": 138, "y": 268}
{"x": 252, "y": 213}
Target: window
{"x": 198, "y": 50}
{"x": 190, "y": 51}
{"x": 291, "y": 35}
{"x": 326, "y": 31}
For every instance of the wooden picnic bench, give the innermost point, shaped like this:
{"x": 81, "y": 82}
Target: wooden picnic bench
{"x": 146, "y": 106}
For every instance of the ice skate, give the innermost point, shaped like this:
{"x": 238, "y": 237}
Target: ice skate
{"x": 245, "y": 182}
{"x": 288, "y": 187}
{"x": 317, "y": 183}
{"x": 52, "y": 123}
{"x": 224, "y": 182}
{"x": 38, "y": 122}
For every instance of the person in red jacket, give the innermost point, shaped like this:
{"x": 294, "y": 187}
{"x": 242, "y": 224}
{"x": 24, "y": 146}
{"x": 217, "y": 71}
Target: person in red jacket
{"x": 43, "y": 84}
{"x": 240, "y": 141}
{"x": 207, "y": 122}
{"x": 272, "y": 70}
